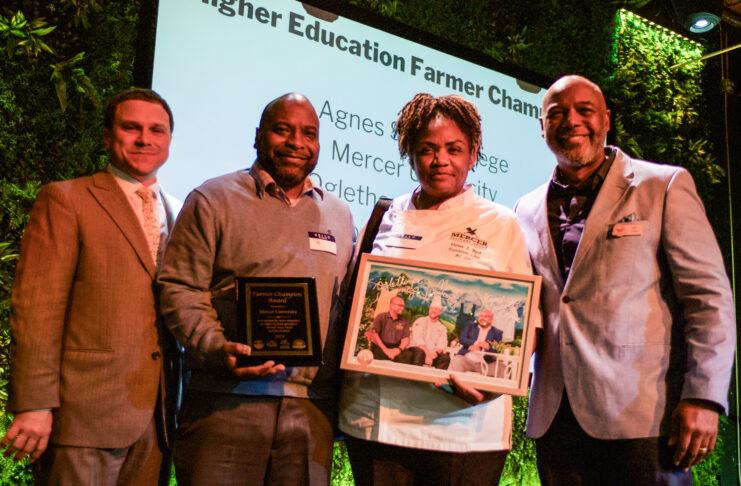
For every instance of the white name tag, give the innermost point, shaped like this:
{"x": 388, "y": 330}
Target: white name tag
{"x": 322, "y": 242}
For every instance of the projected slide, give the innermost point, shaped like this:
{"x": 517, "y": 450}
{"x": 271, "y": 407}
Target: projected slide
{"x": 218, "y": 63}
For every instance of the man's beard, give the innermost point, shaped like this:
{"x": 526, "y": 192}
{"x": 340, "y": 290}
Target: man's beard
{"x": 287, "y": 178}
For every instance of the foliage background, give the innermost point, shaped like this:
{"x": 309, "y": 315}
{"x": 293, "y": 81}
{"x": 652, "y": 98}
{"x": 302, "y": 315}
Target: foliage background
{"x": 52, "y": 83}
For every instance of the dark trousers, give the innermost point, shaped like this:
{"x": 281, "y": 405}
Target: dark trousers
{"x": 376, "y": 464}
{"x": 137, "y": 464}
{"x": 568, "y": 456}
{"x": 241, "y": 440}
{"x": 416, "y": 356}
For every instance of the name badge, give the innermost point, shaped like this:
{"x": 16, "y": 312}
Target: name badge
{"x": 404, "y": 241}
{"x": 322, "y": 242}
{"x": 626, "y": 229}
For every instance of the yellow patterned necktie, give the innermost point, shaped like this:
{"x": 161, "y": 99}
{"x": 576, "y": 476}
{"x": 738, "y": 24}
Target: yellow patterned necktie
{"x": 149, "y": 220}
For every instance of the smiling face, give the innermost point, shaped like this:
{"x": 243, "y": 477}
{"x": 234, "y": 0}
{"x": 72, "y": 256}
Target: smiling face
{"x": 434, "y": 312}
{"x": 396, "y": 307}
{"x": 485, "y": 319}
{"x": 139, "y": 139}
{"x": 287, "y": 140}
{"x": 441, "y": 156}
{"x": 574, "y": 124}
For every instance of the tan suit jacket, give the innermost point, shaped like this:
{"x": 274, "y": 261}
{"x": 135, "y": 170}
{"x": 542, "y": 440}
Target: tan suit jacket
{"x": 85, "y": 338}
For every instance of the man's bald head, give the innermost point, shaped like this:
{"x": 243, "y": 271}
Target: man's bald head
{"x": 570, "y": 80}
{"x": 287, "y": 140}
{"x": 574, "y": 124}
{"x": 486, "y": 317}
{"x": 293, "y": 97}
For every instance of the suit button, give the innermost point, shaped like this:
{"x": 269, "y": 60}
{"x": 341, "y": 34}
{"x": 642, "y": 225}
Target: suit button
{"x": 566, "y": 299}
{"x": 156, "y": 355}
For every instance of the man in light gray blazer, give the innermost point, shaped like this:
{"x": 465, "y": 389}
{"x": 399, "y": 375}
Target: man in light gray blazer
{"x": 638, "y": 337}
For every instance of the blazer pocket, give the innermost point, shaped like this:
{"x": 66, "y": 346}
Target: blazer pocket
{"x": 621, "y": 254}
{"x": 87, "y": 371}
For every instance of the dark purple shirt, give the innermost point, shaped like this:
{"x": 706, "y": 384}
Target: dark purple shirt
{"x": 568, "y": 208}
{"x": 390, "y": 330}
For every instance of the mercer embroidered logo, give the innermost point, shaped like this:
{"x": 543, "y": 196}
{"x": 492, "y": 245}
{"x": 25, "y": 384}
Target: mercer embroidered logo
{"x": 470, "y": 237}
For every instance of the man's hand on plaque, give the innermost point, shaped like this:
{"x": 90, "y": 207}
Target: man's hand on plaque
{"x": 232, "y": 350}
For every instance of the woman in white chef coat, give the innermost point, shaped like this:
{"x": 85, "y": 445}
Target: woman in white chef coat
{"x": 404, "y": 432}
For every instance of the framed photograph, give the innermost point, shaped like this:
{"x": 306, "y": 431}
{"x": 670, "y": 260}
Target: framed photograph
{"x": 426, "y": 321}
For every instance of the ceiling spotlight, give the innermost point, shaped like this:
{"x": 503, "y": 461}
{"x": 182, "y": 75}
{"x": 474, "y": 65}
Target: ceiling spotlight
{"x": 700, "y": 22}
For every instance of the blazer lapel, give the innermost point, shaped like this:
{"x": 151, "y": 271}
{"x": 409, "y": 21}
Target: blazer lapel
{"x": 109, "y": 195}
{"x": 540, "y": 220}
{"x": 613, "y": 189}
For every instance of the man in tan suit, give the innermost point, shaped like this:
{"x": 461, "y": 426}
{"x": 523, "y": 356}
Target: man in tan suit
{"x": 87, "y": 365}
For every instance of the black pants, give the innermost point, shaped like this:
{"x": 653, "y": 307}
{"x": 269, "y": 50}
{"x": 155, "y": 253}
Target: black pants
{"x": 416, "y": 356}
{"x": 568, "y": 456}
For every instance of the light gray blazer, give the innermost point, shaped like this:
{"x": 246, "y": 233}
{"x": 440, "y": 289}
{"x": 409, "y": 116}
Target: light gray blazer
{"x": 642, "y": 321}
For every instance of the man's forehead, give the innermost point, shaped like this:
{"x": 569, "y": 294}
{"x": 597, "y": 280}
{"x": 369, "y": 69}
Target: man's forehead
{"x": 283, "y": 109}
{"x": 578, "y": 90}
{"x": 137, "y": 109}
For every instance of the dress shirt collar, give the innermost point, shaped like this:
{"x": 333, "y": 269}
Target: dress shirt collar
{"x": 592, "y": 184}
{"x": 128, "y": 184}
{"x": 267, "y": 185}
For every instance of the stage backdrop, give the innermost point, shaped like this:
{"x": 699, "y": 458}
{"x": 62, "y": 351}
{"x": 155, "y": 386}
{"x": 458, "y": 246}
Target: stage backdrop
{"x": 218, "y": 62}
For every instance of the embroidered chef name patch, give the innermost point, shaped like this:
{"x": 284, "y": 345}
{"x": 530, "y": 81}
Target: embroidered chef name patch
{"x": 468, "y": 239}
{"x": 466, "y": 245}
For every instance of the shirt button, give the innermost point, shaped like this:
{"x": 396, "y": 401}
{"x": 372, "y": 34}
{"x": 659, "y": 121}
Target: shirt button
{"x": 566, "y": 299}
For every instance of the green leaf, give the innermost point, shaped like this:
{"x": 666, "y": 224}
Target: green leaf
{"x": 46, "y": 47}
{"x": 18, "y": 18}
{"x": 44, "y": 31}
{"x": 76, "y": 58}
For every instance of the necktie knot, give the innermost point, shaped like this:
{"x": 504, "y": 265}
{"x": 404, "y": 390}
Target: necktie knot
{"x": 145, "y": 193}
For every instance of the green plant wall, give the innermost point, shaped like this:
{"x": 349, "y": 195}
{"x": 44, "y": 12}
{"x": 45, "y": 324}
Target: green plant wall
{"x": 659, "y": 110}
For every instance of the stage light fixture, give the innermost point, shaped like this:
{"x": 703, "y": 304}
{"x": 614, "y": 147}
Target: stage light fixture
{"x": 699, "y": 22}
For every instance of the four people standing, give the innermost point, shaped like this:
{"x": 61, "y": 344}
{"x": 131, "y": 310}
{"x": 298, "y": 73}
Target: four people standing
{"x": 630, "y": 375}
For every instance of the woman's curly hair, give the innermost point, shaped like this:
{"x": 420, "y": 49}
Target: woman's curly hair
{"x": 417, "y": 114}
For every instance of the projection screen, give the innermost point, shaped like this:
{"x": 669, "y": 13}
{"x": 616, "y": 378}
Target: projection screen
{"x": 218, "y": 63}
